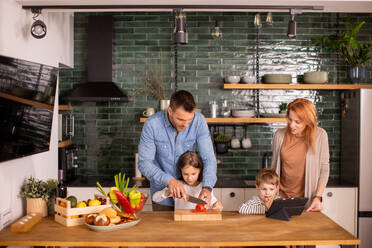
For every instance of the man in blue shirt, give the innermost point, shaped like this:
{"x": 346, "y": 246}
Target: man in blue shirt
{"x": 165, "y": 136}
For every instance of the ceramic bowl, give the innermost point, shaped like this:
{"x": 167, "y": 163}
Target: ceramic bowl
{"x": 316, "y": 77}
{"x": 248, "y": 79}
{"x": 277, "y": 78}
{"x": 232, "y": 79}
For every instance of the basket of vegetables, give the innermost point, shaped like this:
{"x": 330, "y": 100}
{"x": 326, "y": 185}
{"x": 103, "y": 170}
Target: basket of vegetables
{"x": 124, "y": 199}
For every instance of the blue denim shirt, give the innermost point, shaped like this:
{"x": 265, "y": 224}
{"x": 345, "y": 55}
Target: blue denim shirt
{"x": 160, "y": 147}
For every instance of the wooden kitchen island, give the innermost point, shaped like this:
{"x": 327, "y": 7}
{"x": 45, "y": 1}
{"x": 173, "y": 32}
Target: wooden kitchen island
{"x": 159, "y": 229}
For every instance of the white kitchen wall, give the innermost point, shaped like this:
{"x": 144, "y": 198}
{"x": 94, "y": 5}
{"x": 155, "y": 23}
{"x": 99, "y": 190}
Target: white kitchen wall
{"x": 57, "y": 47}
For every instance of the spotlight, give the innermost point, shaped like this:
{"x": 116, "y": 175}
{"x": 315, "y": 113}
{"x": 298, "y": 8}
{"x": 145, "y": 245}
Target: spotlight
{"x": 38, "y": 28}
{"x": 269, "y": 18}
{"x": 257, "y": 21}
{"x": 216, "y": 31}
{"x": 179, "y": 35}
{"x": 292, "y": 26}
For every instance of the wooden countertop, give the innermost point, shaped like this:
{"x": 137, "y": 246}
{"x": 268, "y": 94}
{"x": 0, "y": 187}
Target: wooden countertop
{"x": 159, "y": 229}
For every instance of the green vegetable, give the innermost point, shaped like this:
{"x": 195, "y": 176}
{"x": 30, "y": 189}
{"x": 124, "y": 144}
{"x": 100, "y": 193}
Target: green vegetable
{"x": 134, "y": 198}
{"x": 222, "y": 138}
{"x": 73, "y": 200}
{"x": 113, "y": 197}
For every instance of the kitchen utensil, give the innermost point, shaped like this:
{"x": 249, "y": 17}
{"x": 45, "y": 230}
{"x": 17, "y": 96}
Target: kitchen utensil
{"x": 196, "y": 200}
{"x": 232, "y": 79}
{"x": 188, "y": 215}
{"x": 25, "y": 223}
{"x": 235, "y": 142}
{"x": 316, "y": 77}
{"x": 113, "y": 227}
{"x": 243, "y": 113}
{"x": 246, "y": 141}
{"x": 213, "y": 106}
{"x": 277, "y": 78}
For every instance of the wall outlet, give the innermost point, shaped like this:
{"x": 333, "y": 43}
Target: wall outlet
{"x": 5, "y": 218}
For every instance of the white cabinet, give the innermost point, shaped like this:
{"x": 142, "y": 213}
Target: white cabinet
{"x": 232, "y": 198}
{"x": 340, "y": 204}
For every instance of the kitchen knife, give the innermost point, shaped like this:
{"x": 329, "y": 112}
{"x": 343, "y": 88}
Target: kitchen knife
{"x": 196, "y": 200}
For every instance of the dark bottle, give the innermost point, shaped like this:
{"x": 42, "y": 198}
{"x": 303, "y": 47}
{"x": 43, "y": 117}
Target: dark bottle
{"x": 61, "y": 187}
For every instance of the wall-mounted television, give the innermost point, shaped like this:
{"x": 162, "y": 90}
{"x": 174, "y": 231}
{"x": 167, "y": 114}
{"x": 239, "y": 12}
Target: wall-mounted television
{"x": 27, "y": 92}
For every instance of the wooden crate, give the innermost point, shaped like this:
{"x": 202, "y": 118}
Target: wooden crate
{"x": 68, "y": 216}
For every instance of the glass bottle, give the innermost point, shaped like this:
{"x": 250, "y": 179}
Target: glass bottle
{"x": 61, "y": 187}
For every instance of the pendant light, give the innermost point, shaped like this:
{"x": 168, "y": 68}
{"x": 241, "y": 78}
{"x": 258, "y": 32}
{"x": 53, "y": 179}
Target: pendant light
{"x": 269, "y": 18}
{"x": 216, "y": 31}
{"x": 292, "y": 26}
{"x": 257, "y": 21}
{"x": 179, "y": 35}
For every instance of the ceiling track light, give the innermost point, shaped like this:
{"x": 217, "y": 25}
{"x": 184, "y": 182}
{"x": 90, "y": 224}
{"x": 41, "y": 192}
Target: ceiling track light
{"x": 269, "y": 18}
{"x": 257, "y": 21}
{"x": 38, "y": 28}
{"x": 216, "y": 31}
{"x": 179, "y": 35}
{"x": 292, "y": 25}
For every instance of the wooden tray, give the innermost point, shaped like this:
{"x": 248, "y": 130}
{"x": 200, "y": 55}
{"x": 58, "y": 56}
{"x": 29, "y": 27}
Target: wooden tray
{"x": 188, "y": 215}
{"x": 69, "y": 216}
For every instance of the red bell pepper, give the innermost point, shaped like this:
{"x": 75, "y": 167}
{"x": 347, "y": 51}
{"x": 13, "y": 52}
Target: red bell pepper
{"x": 123, "y": 201}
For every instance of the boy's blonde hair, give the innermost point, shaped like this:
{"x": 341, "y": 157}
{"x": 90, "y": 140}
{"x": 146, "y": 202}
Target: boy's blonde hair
{"x": 268, "y": 176}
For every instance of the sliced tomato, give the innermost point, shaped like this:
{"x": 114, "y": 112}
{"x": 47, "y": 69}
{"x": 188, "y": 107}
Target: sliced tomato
{"x": 200, "y": 208}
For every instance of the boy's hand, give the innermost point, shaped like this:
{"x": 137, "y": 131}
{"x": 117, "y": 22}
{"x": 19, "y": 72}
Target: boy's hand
{"x": 206, "y": 196}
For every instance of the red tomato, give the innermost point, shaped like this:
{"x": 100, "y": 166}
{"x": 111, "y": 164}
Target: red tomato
{"x": 200, "y": 208}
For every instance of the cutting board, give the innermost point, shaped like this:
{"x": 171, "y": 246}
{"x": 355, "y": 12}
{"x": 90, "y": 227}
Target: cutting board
{"x": 188, "y": 215}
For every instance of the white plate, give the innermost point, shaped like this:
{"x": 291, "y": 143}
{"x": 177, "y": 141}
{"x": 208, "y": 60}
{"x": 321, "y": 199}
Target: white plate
{"x": 113, "y": 227}
{"x": 242, "y": 113}
{"x": 273, "y": 115}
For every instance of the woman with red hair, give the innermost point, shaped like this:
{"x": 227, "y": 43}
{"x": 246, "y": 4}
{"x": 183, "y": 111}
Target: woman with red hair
{"x": 301, "y": 155}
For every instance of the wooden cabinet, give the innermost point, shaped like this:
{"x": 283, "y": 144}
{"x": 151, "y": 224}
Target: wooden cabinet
{"x": 232, "y": 198}
{"x": 340, "y": 204}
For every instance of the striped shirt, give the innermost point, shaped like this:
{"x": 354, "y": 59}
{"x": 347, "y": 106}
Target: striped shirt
{"x": 253, "y": 206}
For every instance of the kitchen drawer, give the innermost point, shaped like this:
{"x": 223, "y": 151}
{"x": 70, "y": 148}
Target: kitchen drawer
{"x": 232, "y": 198}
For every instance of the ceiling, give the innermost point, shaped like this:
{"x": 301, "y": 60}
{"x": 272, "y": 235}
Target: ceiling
{"x": 361, "y": 6}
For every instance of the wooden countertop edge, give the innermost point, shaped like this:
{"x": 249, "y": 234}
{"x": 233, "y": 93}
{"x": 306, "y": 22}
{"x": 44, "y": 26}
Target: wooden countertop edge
{"x": 176, "y": 244}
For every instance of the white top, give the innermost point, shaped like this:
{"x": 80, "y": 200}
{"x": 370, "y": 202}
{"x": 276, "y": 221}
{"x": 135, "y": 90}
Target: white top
{"x": 180, "y": 203}
{"x": 253, "y": 206}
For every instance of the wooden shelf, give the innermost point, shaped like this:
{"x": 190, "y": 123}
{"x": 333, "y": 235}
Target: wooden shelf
{"x": 64, "y": 107}
{"x": 297, "y": 86}
{"x": 64, "y": 143}
{"x": 138, "y": 178}
{"x": 237, "y": 120}
{"x": 26, "y": 101}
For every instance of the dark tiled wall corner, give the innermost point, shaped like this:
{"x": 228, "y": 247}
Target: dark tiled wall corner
{"x": 107, "y": 134}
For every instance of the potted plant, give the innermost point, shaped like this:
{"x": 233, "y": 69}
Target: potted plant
{"x": 356, "y": 54}
{"x": 155, "y": 85}
{"x": 222, "y": 143}
{"x": 38, "y": 194}
{"x": 283, "y": 108}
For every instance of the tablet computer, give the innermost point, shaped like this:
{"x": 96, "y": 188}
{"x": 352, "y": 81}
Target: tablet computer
{"x": 284, "y": 208}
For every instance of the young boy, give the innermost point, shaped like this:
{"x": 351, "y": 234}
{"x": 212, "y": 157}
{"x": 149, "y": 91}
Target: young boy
{"x": 267, "y": 184}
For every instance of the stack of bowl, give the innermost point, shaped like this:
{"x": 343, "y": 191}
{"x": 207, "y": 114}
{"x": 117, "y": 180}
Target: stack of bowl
{"x": 316, "y": 77}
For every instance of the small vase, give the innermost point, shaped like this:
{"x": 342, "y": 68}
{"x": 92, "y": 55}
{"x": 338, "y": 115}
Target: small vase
{"x": 356, "y": 74}
{"x": 37, "y": 205}
{"x": 164, "y": 104}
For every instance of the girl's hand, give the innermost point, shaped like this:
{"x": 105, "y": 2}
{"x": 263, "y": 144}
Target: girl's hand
{"x": 218, "y": 206}
{"x": 167, "y": 193}
{"x": 316, "y": 205}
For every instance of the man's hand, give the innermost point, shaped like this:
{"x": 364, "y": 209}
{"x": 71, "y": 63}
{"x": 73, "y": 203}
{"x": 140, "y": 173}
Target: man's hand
{"x": 176, "y": 189}
{"x": 316, "y": 205}
{"x": 206, "y": 195}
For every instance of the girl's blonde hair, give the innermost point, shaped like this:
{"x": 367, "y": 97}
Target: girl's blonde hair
{"x": 192, "y": 159}
{"x": 306, "y": 112}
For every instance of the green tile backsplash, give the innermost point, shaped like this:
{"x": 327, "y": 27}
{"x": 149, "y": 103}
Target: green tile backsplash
{"x": 107, "y": 134}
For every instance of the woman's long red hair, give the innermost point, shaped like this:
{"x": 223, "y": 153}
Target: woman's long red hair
{"x": 306, "y": 112}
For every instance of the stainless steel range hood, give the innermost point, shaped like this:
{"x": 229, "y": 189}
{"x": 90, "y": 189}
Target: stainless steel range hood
{"x": 99, "y": 87}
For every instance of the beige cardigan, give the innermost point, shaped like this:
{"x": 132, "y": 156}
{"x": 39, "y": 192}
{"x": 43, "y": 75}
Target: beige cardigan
{"x": 317, "y": 165}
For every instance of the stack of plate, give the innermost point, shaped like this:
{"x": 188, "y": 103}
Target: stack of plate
{"x": 316, "y": 77}
{"x": 242, "y": 113}
{"x": 277, "y": 78}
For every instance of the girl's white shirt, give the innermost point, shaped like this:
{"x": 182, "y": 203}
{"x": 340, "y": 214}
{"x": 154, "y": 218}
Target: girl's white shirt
{"x": 180, "y": 203}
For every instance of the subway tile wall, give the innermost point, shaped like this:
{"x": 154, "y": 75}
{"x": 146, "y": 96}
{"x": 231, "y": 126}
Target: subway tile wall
{"x": 107, "y": 134}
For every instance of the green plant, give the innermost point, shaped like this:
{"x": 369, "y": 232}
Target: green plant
{"x": 222, "y": 138}
{"x": 283, "y": 106}
{"x": 355, "y": 53}
{"x": 35, "y": 188}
